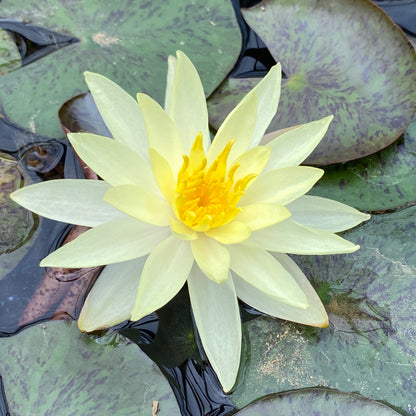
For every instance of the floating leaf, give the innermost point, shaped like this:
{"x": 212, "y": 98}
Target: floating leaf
{"x": 127, "y": 41}
{"x": 317, "y": 402}
{"x": 9, "y": 54}
{"x": 383, "y": 181}
{"x": 54, "y": 369}
{"x": 345, "y": 58}
{"x": 370, "y": 345}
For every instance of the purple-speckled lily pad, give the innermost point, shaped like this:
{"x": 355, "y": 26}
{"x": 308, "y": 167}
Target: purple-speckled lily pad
{"x": 370, "y": 345}
{"x": 53, "y": 369}
{"x": 341, "y": 57}
{"x": 316, "y": 402}
{"x": 127, "y": 40}
{"x": 383, "y": 181}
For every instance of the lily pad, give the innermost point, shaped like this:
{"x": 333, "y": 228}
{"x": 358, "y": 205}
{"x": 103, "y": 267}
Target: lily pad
{"x": 383, "y": 181}
{"x": 370, "y": 345}
{"x": 54, "y": 369}
{"x": 127, "y": 41}
{"x": 317, "y": 402}
{"x": 345, "y": 58}
{"x": 9, "y": 53}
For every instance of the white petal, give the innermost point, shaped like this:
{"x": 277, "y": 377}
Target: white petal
{"x": 326, "y": 214}
{"x": 187, "y": 105}
{"x": 217, "y": 318}
{"x": 112, "y": 297}
{"x": 263, "y": 271}
{"x": 75, "y": 201}
{"x": 120, "y": 112}
{"x": 295, "y": 145}
{"x": 165, "y": 272}
{"x": 281, "y": 186}
{"x": 212, "y": 257}
{"x": 112, "y": 242}
{"x": 289, "y": 237}
{"x": 314, "y": 315}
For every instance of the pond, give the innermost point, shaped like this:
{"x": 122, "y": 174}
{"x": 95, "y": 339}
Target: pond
{"x": 344, "y": 58}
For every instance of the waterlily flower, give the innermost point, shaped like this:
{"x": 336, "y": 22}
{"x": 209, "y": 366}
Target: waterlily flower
{"x": 172, "y": 207}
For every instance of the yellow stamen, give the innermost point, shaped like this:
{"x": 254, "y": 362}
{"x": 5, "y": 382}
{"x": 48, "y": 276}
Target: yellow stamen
{"x": 206, "y": 198}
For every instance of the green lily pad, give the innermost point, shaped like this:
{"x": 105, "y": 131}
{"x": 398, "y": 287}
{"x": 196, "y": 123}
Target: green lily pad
{"x": 9, "y": 53}
{"x": 383, "y": 181}
{"x": 345, "y": 58}
{"x": 127, "y": 41}
{"x": 370, "y": 345}
{"x": 54, "y": 369}
{"x": 317, "y": 402}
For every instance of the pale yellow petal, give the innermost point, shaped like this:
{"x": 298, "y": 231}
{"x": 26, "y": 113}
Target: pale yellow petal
{"x": 113, "y": 161}
{"x": 119, "y": 111}
{"x": 76, "y": 201}
{"x": 251, "y": 162}
{"x": 112, "y": 242}
{"x": 139, "y": 203}
{"x": 217, "y": 317}
{"x": 261, "y": 270}
{"x": 187, "y": 105}
{"x": 289, "y": 237}
{"x": 182, "y": 231}
{"x": 268, "y": 94}
{"x": 212, "y": 258}
{"x": 112, "y": 297}
{"x": 257, "y": 216}
{"x": 162, "y": 133}
{"x": 231, "y": 233}
{"x": 326, "y": 214}
{"x": 169, "y": 81}
{"x": 239, "y": 126}
{"x": 163, "y": 175}
{"x": 281, "y": 186}
{"x": 314, "y": 314}
{"x": 164, "y": 273}
{"x": 295, "y": 145}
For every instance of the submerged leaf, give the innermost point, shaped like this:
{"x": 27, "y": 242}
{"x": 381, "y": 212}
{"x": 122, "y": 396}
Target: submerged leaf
{"x": 317, "y": 402}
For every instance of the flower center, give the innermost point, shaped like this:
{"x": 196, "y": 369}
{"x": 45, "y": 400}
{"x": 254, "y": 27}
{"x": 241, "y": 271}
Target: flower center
{"x": 207, "y": 197}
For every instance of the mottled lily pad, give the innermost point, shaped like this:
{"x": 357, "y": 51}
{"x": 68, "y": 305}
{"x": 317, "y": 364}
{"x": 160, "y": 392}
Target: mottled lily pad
{"x": 9, "y": 54}
{"x": 317, "y": 402}
{"x": 370, "y": 345}
{"x": 383, "y": 181}
{"x": 345, "y": 58}
{"x": 54, "y": 369}
{"x": 128, "y": 41}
